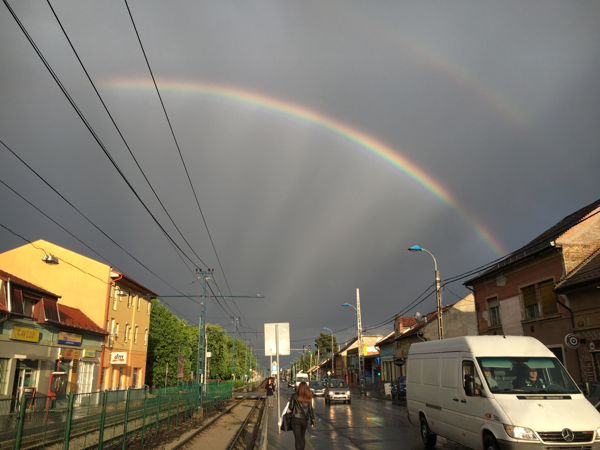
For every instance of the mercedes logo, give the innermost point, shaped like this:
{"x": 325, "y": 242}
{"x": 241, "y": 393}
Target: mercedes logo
{"x": 568, "y": 435}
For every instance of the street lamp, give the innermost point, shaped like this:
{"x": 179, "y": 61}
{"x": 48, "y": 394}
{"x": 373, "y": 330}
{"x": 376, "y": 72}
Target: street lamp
{"x": 332, "y": 360}
{"x": 361, "y": 366}
{"x": 438, "y": 294}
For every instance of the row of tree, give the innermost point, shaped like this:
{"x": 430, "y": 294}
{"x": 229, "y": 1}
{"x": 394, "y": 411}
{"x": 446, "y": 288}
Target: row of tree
{"x": 169, "y": 337}
{"x": 322, "y": 349}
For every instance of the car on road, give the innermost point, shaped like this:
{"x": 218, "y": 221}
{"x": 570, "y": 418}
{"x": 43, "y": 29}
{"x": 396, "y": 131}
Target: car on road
{"x": 337, "y": 390}
{"x": 291, "y": 384}
{"x": 317, "y": 388}
{"x": 399, "y": 388}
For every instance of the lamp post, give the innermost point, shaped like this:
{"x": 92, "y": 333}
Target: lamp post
{"x": 438, "y": 294}
{"x": 332, "y": 360}
{"x": 361, "y": 363}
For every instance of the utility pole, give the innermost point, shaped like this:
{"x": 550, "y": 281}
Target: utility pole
{"x": 361, "y": 356}
{"x": 235, "y": 321}
{"x": 246, "y": 367}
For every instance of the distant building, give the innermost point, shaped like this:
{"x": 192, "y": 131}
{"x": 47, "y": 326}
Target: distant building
{"x": 459, "y": 319}
{"x": 114, "y": 301}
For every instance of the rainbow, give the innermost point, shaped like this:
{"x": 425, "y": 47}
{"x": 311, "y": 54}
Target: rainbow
{"x": 361, "y": 139}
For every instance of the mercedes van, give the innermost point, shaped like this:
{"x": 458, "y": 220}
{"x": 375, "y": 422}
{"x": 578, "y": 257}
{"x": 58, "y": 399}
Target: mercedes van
{"x": 300, "y": 377}
{"x": 497, "y": 393}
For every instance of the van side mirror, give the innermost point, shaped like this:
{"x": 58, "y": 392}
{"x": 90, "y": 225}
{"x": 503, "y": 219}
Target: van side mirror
{"x": 586, "y": 388}
{"x": 469, "y": 386}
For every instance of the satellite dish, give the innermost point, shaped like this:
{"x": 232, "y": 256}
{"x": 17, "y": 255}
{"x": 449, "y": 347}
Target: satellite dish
{"x": 418, "y": 317}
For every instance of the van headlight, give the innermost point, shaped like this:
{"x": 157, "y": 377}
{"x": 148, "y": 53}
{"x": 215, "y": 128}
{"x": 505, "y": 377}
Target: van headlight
{"x": 348, "y": 393}
{"x": 598, "y": 434}
{"x": 523, "y": 433}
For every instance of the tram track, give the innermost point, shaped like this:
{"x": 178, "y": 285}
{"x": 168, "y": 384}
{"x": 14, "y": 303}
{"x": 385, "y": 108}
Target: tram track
{"x": 226, "y": 430}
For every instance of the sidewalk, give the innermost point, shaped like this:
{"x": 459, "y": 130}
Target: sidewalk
{"x": 285, "y": 439}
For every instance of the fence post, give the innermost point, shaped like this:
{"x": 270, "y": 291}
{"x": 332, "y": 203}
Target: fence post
{"x": 157, "y": 413}
{"x": 126, "y": 416}
{"x": 102, "y": 419}
{"x": 21, "y": 422}
{"x": 177, "y": 416}
{"x": 144, "y": 416}
{"x": 68, "y": 422}
{"x": 169, "y": 414}
{"x": 198, "y": 391}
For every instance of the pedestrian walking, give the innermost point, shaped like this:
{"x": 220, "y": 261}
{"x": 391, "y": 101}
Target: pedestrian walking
{"x": 302, "y": 411}
{"x": 270, "y": 386}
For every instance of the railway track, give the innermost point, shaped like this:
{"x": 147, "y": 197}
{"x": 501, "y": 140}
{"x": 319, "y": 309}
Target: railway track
{"x": 236, "y": 427}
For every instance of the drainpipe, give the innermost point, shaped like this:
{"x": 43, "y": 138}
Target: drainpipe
{"x": 8, "y": 295}
{"x": 567, "y": 308}
{"x": 105, "y": 319}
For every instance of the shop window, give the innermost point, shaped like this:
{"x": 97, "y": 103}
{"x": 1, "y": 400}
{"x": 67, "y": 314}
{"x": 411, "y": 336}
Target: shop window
{"x": 530, "y": 302}
{"x": 3, "y": 374}
{"x": 134, "y": 380}
{"x": 121, "y": 377}
{"x": 494, "y": 311}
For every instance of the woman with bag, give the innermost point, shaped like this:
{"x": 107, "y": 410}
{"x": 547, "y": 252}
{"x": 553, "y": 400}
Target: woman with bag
{"x": 301, "y": 411}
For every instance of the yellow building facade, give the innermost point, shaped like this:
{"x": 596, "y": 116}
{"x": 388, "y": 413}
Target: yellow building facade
{"x": 114, "y": 301}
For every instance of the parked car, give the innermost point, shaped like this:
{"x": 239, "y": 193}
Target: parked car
{"x": 317, "y": 388}
{"x": 594, "y": 394}
{"x": 399, "y": 388}
{"x": 336, "y": 389}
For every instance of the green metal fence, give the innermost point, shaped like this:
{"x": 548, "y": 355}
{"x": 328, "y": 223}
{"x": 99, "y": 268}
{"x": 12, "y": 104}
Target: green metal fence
{"x": 216, "y": 393}
{"x": 95, "y": 420}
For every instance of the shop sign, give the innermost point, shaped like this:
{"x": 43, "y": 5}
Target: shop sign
{"x": 89, "y": 354}
{"x": 25, "y": 334}
{"x": 67, "y": 354}
{"x": 118, "y": 358}
{"x": 69, "y": 338}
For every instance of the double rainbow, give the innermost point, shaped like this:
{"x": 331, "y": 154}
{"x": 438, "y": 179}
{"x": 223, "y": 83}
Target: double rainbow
{"x": 357, "y": 137}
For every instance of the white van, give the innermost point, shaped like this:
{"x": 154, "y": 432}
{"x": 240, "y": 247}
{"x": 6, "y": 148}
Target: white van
{"x": 300, "y": 377}
{"x": 524, "y": 399}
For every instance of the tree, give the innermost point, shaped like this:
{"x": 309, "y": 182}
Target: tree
{"x": 168, "y": 337}
{"x": 324, "y": 343}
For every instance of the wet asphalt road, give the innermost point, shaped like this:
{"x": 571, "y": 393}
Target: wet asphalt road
{"x": 368, "y": 423}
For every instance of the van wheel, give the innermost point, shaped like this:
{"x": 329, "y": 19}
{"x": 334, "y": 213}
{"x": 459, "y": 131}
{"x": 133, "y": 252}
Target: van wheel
{"x": 429, "y": 438}
{"x": 490, "y": 443}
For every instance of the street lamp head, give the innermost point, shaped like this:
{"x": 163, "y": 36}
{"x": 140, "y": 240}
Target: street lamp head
{"x": 416, "y": 248}
{"x": 325, "y": 328}
{"x": 346, "y": 304}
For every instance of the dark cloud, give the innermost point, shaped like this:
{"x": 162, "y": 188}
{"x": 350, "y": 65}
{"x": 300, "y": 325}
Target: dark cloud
{"x": 496, "y": 103}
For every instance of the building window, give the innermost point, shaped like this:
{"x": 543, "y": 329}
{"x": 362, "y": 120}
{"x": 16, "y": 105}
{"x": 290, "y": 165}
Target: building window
{"x": 126, "y": 328}
{"x": 139, "y": 300}
{"x": 28, "y": 304}
{"x": 494, "y": 310}
{"x": 130, "y": 327}
{"x": 135, "y": 335}
{"x": 530, "y": 302}
{"x": 134, "y": 380}
{"x": 129, "y": 299}
{"x": 3, "y": 374}
{"x": 548, "y": 298}
{"x": 146, "y": 337}
{"x": 116, "y": 294}
{"x": 116, "y": 331}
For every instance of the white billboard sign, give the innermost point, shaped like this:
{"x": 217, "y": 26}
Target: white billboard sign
{"x": 283, "y": 337}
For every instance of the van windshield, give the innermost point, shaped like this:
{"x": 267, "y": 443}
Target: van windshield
{"x": 517, "y": 375}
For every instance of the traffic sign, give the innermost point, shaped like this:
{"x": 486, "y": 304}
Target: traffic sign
{"x": 378, "y": 359}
